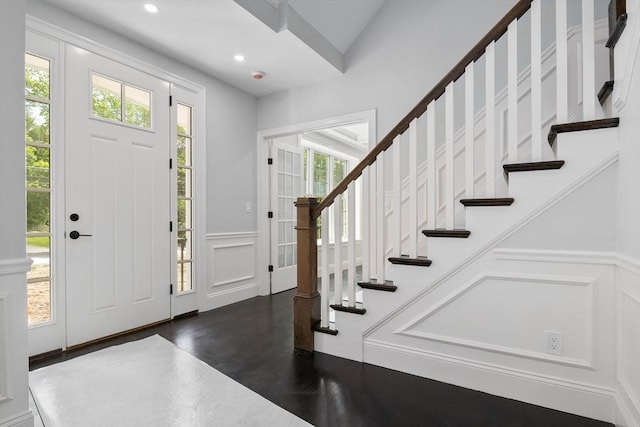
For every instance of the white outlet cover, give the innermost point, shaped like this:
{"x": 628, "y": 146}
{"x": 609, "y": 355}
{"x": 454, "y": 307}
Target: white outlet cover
{"x": 554, "y": 342}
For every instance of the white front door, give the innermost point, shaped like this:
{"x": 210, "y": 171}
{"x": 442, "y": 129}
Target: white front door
{"x": 118, "y": 241}
{"x": 286, "y": 186}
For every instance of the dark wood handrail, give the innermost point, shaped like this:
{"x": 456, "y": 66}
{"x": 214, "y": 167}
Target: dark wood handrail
{"x": 456, "y": 72}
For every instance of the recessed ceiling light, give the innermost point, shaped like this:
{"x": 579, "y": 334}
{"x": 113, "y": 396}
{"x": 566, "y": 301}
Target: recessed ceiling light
{"x": 151, "y": 8}
{"x": 239, "y": 58}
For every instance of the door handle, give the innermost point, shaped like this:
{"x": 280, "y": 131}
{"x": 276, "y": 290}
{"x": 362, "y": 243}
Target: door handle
{"x": 74, "y": 235}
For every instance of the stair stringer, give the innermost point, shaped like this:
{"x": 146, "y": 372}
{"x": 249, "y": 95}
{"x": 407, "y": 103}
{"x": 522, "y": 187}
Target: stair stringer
{"x": 417, "y": 337}
{"x": 549, "y": 283}
{"x": 585, "y": 154}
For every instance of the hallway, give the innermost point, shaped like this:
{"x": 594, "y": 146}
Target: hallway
{"x": 252, "y": 341}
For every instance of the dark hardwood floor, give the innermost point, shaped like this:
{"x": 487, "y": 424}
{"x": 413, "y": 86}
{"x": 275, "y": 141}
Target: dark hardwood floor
{"x": 251, "y": 342}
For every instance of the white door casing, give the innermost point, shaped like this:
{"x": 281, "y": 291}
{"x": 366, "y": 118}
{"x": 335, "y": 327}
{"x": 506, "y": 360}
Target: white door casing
{"x": 286, "y": 186}
{"x": 118, "y": 182}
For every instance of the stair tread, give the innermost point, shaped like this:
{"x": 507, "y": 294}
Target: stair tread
{"x": 421, "y": 261}
{"x": 605, "y": 91}
{"x": 494, "y": 201}
{"x": 387, "y": 286}
{"x": 532, "y": 166}
{"x": 442, "y": 232}
{"x": 580, "y": 126}
{"x": 347, "y": 309}
{"x": 327, "y": 330}
{"x": 621, "y": 23}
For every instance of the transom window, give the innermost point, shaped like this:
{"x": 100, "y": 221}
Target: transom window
{"x": 119, "y": 102}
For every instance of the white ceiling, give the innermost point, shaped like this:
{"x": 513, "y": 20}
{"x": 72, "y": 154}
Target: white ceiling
{"x": 206, "y": 34}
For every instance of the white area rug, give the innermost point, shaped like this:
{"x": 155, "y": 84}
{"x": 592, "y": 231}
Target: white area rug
{"x": 149, "y": 382}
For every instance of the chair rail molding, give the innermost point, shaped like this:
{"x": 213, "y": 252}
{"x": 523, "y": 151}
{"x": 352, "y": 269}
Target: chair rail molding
{"x": 13, "y": 266}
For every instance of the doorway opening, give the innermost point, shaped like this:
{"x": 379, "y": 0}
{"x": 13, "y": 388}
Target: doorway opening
{"x": 307, "y": 162}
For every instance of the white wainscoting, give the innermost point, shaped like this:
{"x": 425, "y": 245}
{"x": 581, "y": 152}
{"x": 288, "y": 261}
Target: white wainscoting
{"x": 5, "y": 394}
{"x": 14, "y": 402}
{"x": 506, "y": 321}
{"x": 628, "y": 338}
{"x": 231, "y": 269}
{"x": 487, "y": 331}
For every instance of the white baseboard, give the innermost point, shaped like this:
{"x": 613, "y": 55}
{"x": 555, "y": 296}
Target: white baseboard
{"x": 577, "y": 398}
{"x": 230, "y": 296}
{"x": 24, "y": 419}
{"x": 624, "y": 416}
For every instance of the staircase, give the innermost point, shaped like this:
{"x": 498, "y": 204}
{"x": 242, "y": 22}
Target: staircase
{"x": 442, "y": 204}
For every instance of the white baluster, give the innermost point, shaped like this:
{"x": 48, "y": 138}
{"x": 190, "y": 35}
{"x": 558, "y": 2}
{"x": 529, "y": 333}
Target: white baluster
{"x": 380, "y": 219}
{"x": 449, "y": 159}
{"x": 562, "y": 67}
{"x": 512, "y": 142}
{"x": 337, "y": 250}
{"x": 397, "y": 197}
{"x": 469, "y": 135}
{"x": 324, "y": 257}
{"x": 365, "y": 224}
{"x": 588, "y": 61}
{"x": 490, "y": 120}
{"x": 351, "y": 249}
{"x": 373, "y": 224}
{"x": 536, "y": 81}
{"x": 413, "y": 188}
{"x": 432, "y": 208}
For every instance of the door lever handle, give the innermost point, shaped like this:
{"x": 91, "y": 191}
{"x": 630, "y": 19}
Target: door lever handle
{"x": 74, "y": 235}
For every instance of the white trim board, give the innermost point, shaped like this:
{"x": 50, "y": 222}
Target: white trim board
{"x": 231, "y": 235}
{"x": 617, "y": 259}
{"x": 570, "y": 396}
{"x": 15, "y": 266}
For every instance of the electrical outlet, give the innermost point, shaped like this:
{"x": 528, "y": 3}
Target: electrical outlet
{"x": 247, "y": 208}
{"x": 554, "y": 342}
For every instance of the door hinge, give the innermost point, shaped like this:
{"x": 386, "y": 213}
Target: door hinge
{"x": 270, "y": 214}
{"x": 171, "y": 289}
{"x": 170, "y": 163}
{"x": 170, "y": 226}
{"x": 271, "y": 269}
{"x": 170, "y": 100}
{"x": 270, "y": 161}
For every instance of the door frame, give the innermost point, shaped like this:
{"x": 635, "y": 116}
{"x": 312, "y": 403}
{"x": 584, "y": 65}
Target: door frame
{"x": 263, "y": 186}
{"x": 65, "y": 39}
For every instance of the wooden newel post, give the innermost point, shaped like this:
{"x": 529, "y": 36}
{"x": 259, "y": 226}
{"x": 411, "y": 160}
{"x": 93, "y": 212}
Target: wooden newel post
{"x": 306, "y": 302}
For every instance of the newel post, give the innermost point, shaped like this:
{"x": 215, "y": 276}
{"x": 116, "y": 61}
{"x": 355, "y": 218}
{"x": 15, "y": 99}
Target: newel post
{"x": 306, "y": 302}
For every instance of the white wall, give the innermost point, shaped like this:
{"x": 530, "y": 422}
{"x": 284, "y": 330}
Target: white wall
{"x": 396, "y": 60}
{"x": 231, "y": 123}
{"x": 14, "y": 397}
{"x": 626, "y": 103}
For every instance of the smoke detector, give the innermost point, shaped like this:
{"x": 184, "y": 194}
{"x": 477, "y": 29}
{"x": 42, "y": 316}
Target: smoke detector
{"x": 258, "y": 75}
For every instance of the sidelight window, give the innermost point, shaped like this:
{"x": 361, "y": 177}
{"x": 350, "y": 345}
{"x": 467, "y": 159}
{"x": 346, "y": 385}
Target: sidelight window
{"x": 38, "y": 186}
{"x": 184, "y": 194}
